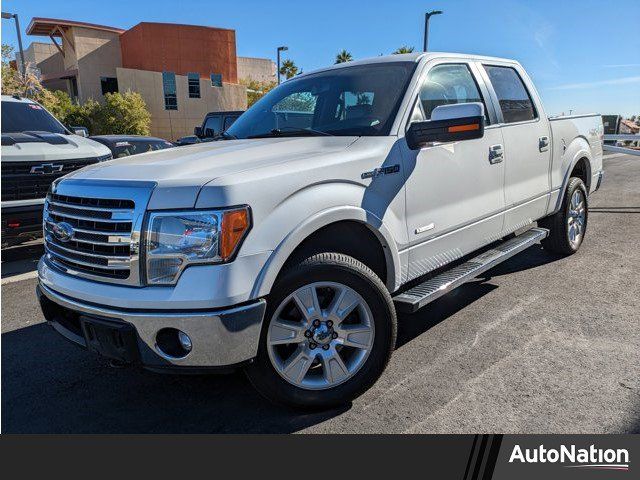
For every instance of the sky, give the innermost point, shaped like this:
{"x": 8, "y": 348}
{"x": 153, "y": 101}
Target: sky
{"x": 583, "y": 55}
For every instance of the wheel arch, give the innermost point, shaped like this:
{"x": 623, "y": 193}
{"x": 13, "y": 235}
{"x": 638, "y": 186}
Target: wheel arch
{"x": 577, "y": 160}
{"x": 313, "y": 228}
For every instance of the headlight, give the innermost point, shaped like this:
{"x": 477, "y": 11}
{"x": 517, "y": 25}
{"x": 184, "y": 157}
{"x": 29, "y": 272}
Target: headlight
{"x": 177, "y": 239}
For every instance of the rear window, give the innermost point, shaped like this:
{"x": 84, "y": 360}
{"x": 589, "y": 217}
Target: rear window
{"x": 515, "y": 101}
{"x": 20, "y": 117}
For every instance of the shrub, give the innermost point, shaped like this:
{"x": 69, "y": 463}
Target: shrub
{"x": 121, "y": 113}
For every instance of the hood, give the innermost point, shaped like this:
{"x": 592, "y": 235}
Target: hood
{"x": 195, "y": 165}
{"x": 180, "y": 173}
{"x": 42, "y": 146}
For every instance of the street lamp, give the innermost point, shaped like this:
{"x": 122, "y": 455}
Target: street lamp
{"x": 427, "y": 16}
{"x": 15, "y": 17}
{"x": 280, "y": 49}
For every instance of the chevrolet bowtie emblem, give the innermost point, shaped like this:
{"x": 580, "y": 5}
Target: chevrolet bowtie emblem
{"x": 46, "y": 169}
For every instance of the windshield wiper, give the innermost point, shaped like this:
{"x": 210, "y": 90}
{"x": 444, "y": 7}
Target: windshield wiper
{"x": 282, "y": 132}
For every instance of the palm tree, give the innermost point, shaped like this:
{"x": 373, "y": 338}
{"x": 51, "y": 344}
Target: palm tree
{"x": 288, "y": 69}
{"x": 403, "y": 49}
{"x": 343, "y": 57}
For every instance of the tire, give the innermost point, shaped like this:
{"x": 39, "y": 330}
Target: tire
{"x": 299, "y": 375}
{"x": 559, "y": 224}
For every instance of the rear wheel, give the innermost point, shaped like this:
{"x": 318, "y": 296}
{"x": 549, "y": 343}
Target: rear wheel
{"x": 568, "y": 226}
{"x": 329, "y": 331}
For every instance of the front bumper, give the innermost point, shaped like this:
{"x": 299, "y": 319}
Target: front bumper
{"x": 21, "y": 223}
{"x": 220, "y": 338}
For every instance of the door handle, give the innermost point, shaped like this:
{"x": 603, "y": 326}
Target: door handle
{"x": 543, "y": 144}
{"x": 496, "y": 154}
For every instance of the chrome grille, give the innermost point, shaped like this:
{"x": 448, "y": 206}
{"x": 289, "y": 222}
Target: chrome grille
{"x": 101, "y": 243}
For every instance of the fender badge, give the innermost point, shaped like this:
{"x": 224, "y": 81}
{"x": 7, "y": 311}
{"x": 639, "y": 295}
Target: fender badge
{"x": 376, "y": 172}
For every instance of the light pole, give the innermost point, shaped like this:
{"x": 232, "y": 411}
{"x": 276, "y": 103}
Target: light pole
{"x": 15, "y": 17}
{"x": 427, "y": 16}
{"x": 280, "y": 49}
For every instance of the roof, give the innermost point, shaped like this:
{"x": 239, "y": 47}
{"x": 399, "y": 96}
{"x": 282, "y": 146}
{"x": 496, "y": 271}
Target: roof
{"x": 125, "y": 138}
{"x": 410, "y": 57}
{"x": 225, "y": 112}
{"x": 11, "y": 98}
{"x": 186, "y": 25}
{"x": 44, "y": 26}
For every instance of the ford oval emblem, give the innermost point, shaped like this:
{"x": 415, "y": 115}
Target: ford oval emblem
{"x": 62, "y": 231}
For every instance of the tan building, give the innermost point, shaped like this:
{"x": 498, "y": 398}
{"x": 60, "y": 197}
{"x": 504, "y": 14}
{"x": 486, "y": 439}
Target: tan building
{"x": 181, "y": 71}
{"x": 258, "y": 69}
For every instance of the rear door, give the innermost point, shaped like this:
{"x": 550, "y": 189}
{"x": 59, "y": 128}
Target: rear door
{"x": 527, "y": 154}
{"x": 454, "y": 190}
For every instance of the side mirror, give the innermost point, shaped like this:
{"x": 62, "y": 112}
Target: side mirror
{"x": 209, "y": 133}
{"x": 81, "y": 131}
{"x": 449, "y": 123}
{"x": 197, "y": 131}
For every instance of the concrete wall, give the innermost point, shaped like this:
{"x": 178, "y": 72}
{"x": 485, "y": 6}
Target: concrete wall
{"x": 172, "y": 124}
{"x": 259, "y": 69}
{"x": 95, "y": 54}
{"x": 45, "y": 57}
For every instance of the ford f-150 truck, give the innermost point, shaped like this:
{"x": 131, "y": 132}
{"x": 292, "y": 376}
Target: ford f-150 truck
{"x": 342, "y": 196}
{"x": 36, "y": 149}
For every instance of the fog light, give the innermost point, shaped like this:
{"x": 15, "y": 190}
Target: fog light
{"x": 173, "y": 343}
{"x": 185, "y": 341}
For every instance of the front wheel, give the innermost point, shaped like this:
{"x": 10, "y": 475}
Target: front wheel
{"x": 330, "y": 328}
{"x": 568, "y": 226}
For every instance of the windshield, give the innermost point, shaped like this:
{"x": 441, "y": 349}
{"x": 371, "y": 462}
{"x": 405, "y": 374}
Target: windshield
{"x": 360, "y": 100}
{"x": 20, "y": 117}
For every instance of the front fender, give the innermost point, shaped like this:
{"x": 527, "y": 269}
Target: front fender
{"x": 325, "y": 217}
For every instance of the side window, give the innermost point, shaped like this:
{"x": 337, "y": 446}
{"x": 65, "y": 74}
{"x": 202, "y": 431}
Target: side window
{"x": 228, "y": 121}
{"x": 448, "y": 84}
{"x": 214, "y": 123}
{"x": 515, "y": 101}
{"x": 169, "y": 90}
{"x": 216, "y": 79}
{"x": 193, "y": 80}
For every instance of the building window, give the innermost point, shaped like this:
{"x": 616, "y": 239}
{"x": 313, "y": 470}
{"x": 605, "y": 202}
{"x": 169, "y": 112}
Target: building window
{"x": 216, "y": 79}
{"x": 169, "y": 89}
{"x": 109, "y": 85}
{"x": 194, "y": 85}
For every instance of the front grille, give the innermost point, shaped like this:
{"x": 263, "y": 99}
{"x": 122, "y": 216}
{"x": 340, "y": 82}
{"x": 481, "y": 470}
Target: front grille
{"x": 18, "y": 183}
{"x": 101, "y": 241}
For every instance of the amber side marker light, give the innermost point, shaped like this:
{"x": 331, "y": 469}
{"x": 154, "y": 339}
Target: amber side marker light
{"x": 234, "y": 225}
{"x": 464, "y": 128}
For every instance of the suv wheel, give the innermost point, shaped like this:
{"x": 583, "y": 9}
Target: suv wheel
{"x": 329, "y": 331}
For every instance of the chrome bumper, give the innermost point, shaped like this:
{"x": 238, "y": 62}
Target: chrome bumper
{"x": 220, "y": 338}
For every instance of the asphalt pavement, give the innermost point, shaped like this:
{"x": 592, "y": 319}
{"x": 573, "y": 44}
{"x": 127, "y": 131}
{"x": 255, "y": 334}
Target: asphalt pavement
{"x": 539, "y": 344}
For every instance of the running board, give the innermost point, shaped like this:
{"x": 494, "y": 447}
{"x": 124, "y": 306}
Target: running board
{"x": 433, "y": 288}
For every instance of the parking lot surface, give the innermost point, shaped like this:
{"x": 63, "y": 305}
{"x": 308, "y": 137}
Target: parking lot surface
{"x": 540, "y": 344}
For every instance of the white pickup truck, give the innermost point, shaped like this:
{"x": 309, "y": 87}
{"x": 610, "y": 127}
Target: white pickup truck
{"x": 287, "y": 246}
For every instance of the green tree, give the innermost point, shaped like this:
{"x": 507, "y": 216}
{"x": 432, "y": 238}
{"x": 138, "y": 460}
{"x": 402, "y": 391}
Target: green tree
{"x": 256, "y": 90}
{"x": 9, "y": 74}
{"x": 121, "y": 113}
{"x": 343, "y": 57}
{"x": 288, "y": 68}
{"x": 403, "y": 49}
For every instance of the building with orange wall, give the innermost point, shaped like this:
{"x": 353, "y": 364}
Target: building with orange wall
{"x": 181, "y": 71}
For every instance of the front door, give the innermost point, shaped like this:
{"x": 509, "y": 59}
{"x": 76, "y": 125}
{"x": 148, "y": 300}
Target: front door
{"x": 455, "y": 197}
